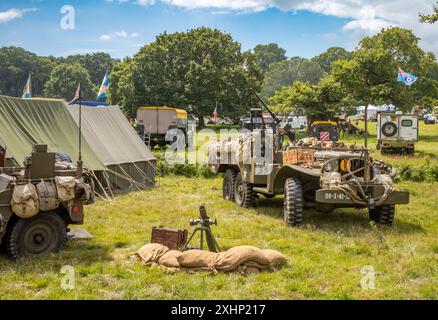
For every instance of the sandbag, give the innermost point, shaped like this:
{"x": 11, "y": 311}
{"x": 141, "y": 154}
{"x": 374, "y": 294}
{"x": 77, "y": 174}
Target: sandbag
{"x": 151, "y": 253}
{"x": 24, "y": 201}
{"x": 170, "y": 259}
{"x": 275, "y": 258}
{"x": 47, "y": 195}
{"x": 66, "y": 188}
{"x": 235, "y": 257}
{"x": 196, "y": 259}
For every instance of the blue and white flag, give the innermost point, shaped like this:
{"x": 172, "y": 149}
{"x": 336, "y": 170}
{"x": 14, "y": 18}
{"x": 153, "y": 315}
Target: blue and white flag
{"x": 102, "y": 95}
{"x": 407, "y": 78}
{"x": 27, "y": 91}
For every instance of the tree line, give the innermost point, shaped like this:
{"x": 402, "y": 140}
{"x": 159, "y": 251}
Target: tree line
{"x": 203, "y": 68}
{"x": 52, "y": 77}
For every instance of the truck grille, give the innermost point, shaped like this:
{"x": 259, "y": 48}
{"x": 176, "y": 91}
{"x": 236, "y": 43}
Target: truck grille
{"x": 355, "y": 165}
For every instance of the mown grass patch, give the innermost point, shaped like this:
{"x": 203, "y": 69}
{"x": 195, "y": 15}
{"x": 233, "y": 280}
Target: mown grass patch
{"x": 326, "y": 255}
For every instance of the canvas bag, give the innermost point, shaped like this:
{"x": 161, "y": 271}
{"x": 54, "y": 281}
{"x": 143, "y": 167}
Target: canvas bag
{"x": 47, "y": 195}
{"x": 237, "y": 256}
{"x": 151, "y": 253}
{"x": 66, "y": 188}
{"x": 24, "y": 201}
{"x": 170, "y": 259}
{"x": 196, "y": 259}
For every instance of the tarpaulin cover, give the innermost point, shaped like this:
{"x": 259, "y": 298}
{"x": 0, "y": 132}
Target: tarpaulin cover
{"x": 112, "y": 138}
{"x": 25, "y": 122}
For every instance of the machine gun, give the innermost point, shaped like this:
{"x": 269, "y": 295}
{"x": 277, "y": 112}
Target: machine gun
{"x": 281, "y": 128}
{"x": 204, "y": 223}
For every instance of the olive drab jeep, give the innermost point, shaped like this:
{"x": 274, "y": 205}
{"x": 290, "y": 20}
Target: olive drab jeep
{"x": 39, "y": 201}
{"x": 324, "y": 175}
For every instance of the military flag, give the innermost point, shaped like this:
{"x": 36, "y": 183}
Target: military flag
{"x": 407, "y": 78}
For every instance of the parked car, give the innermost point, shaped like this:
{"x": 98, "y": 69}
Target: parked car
{"x": 430, "y": 119}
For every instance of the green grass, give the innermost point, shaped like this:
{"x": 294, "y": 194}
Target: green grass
{"x": 326, "y": 254}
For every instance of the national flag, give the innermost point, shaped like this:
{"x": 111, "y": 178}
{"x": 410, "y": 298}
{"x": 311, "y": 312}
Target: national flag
{"x": 215, "y": 114}
{"x": 78, "y": 95}
{"x": 102, "y": 95}
{"x": 407, "y": 78}
{"x": 27, "y": 91}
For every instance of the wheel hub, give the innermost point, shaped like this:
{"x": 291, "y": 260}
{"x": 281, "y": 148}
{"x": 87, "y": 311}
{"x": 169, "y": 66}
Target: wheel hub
{"x": 38, "y": 238}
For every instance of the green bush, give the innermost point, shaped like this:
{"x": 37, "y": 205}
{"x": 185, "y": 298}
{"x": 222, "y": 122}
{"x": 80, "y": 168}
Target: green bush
{"x": 186, "y": 169}
{"x": 427, "y": 172}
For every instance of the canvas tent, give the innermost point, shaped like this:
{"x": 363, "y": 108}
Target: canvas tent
{"x": 25, "y": 122}
{"x": 116, "y": 145}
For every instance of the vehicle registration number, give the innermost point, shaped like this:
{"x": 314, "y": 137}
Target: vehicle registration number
{"x": 336, "y": 196}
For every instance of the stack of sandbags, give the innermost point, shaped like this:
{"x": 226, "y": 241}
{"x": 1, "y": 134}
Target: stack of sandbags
{"x": 244, "y": 259}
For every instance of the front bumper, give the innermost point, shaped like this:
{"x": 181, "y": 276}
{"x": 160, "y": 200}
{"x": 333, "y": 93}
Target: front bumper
{"x": 340, "y": 197}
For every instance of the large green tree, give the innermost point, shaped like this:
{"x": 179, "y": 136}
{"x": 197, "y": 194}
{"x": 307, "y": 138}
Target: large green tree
{"x": 318, "y": 102}
{"x": 194, "y": 70}
{"x": 267, "y": 54}
{"x": 64, "y": 81}
{"x": 15, "y": 66}
{"x": 430, "y": 18}
{"x": 371, "y": 75}
{"x": 325, "y": 59}
{"x": 95, "y": 63}
{"x": 285, "y": 73}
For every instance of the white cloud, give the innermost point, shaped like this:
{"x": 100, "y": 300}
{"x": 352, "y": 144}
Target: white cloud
{"x": 365, "y": 17}
{"x": 145, "y": 2}
{"x": 13, "y": 14}
{"x": 118, "y": 34}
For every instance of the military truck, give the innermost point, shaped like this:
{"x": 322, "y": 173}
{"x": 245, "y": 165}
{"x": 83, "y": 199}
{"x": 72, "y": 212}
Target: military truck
{"x": 397, "y": 133}
{"x": 323, "y": 175}
{"x": 39, "y": 201}
{"x": 158, "y": 125}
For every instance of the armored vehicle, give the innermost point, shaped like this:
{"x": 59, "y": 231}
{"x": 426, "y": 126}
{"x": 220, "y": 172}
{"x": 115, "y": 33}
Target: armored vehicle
{"x": 39, "y": 201}
{"x": 324, "y": 175}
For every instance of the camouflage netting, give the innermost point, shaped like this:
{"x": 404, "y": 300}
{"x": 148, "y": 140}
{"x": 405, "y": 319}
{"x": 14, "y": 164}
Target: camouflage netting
{"x": 244, "y": 259}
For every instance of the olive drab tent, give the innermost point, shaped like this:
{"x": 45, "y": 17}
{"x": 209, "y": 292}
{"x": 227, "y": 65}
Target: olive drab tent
{"x": 117, "y": 145}
{"x": 25, "y": 122}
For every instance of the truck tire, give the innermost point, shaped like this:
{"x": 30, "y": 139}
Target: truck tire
{"x": 383, "y": 215}
{"x": 244, "y": 195}
{"x": 228, "y": 185}
{"x": 293, "y": 202}
{"x": 44, "y": 233}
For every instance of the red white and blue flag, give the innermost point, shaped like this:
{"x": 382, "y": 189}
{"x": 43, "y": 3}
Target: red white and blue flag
{"x": 407, "y": 78}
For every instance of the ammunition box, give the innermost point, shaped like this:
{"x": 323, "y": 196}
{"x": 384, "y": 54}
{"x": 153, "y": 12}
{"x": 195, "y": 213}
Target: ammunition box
{"x": 173, "y": 239}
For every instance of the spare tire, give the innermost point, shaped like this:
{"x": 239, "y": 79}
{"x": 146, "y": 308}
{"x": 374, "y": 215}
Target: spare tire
{"x": 389, "y": 129}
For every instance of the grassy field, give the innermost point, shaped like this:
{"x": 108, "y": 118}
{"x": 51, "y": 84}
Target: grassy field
{"x": 326, "y": 255}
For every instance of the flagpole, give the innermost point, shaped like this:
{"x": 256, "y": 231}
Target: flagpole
{"x": 79, "y": 173}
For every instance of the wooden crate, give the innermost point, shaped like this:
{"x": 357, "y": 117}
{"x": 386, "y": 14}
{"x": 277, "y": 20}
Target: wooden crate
{"x": 298, "y": 156}
{"x": 173, "y": 239}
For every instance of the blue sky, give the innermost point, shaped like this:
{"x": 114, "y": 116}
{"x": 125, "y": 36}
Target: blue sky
{"x": 121, "y": 27}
